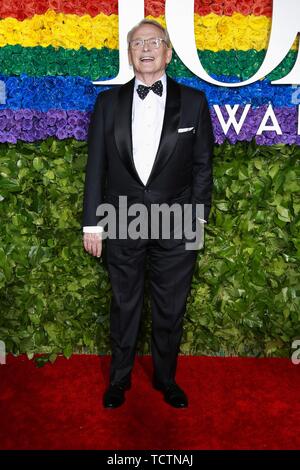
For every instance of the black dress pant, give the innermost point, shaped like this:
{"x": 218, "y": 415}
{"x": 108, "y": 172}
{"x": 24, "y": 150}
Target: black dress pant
{"x": 170, "y": 273}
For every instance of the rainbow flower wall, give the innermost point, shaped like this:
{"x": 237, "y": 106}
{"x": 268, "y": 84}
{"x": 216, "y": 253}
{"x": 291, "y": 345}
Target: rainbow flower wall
{"x": 52, "y": 50}
{"x": 54, "y": 297}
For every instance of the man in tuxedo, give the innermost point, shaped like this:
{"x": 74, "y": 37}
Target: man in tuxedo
{"x": 150, "y": 140}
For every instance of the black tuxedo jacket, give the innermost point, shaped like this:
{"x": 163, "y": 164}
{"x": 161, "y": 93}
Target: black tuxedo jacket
{"x": 182, "y": 170}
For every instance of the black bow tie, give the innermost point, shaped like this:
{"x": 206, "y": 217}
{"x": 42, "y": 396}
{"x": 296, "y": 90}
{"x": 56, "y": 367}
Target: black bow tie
{"x": 143, "y": 90}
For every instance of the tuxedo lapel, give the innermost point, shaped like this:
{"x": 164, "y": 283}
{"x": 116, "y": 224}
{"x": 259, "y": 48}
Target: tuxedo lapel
{"x": 169, "y": 134}
{"x": 123, "y": 128}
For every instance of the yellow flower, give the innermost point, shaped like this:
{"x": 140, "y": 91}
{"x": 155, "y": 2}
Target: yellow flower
{"x": 259, "y": 43}
{"x": 36, "y": 22}
{"x": 223, "y": 27}
{"x": 237, "y": 19}
{"x": 50, "y": 15}
{"x": 209, "y": 21}
{"x": 85, "y": 21}
{"x": 10, "y": 24}
{"x": 296, "y": 43}
{"x": 224, "y": 43}
{"x": 210, "y": 42}
{"x": 260, "y": 23}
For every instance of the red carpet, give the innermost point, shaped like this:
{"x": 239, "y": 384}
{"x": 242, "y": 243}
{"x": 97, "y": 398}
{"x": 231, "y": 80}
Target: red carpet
{"x": 235, "y": 403}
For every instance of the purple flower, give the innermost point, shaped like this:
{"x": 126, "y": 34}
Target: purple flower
{"x": 61, "y": 134}
{"x": 3, "y": 122}
{"x": 79, "y": 134}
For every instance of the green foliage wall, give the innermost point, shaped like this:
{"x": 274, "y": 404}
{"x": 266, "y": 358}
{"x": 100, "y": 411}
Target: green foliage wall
{"x": 54, "y": 297}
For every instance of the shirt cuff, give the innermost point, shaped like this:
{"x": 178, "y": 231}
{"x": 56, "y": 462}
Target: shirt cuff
{"x": 93, "y": 229}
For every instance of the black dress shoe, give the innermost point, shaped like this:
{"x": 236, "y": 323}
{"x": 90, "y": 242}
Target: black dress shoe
{"x": 173, "y": 394}
{"x": 115, "y": 395}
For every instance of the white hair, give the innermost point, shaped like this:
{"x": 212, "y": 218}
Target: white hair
{"x": 165, "y": 33}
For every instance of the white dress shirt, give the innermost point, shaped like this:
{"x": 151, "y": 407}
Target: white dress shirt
{"x": 147, "y": 120}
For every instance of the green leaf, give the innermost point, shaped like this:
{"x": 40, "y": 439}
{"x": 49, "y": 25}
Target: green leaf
{"x": 222, "y": 206}
{"x": 68, "y": 351}
{"x": 283, "y": 214}
{"x": 37, "y": 163}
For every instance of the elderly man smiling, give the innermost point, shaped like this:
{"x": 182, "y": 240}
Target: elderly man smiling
{"x": 151, "y": 140}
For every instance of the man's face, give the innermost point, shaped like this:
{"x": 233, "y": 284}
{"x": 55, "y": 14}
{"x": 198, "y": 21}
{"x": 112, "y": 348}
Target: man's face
{"x": 147, "y": 60}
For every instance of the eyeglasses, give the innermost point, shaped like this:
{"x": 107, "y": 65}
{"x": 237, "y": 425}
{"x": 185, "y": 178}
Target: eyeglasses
{"x": 154, "y": 43}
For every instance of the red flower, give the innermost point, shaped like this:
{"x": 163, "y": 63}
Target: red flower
{"x": 40, "y": 7}
{"x": 52, "y": 5}
{"x": 92, "y": 8}
{"x": 268, "y": 11}
{"x": 258, "y": 10}
{"x": 31, "y": 8}
{"x": 69, "y": 7}
{"x": 229, "y": 10}
{"x": 204, "y": 10}
{"x": 262, "y": 7}
{"x": 207, "y": 2}
{"x": 244, "y": 8}
{"x": 108, "y": 6}
{"x": 154, "y": 7}
{"x": 217, "y": 8}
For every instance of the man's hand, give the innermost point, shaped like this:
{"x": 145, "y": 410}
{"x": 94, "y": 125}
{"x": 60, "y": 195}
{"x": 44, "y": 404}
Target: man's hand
{"x": 93, "y": 243}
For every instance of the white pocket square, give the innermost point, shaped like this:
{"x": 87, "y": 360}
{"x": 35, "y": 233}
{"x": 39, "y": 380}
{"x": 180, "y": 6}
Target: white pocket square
{"x": 186, "y": 129}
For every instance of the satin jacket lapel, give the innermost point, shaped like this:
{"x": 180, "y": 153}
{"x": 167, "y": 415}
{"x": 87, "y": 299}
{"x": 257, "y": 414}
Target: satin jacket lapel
{"x": 123, "y": 128}
{"x": 169, "y": 134}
